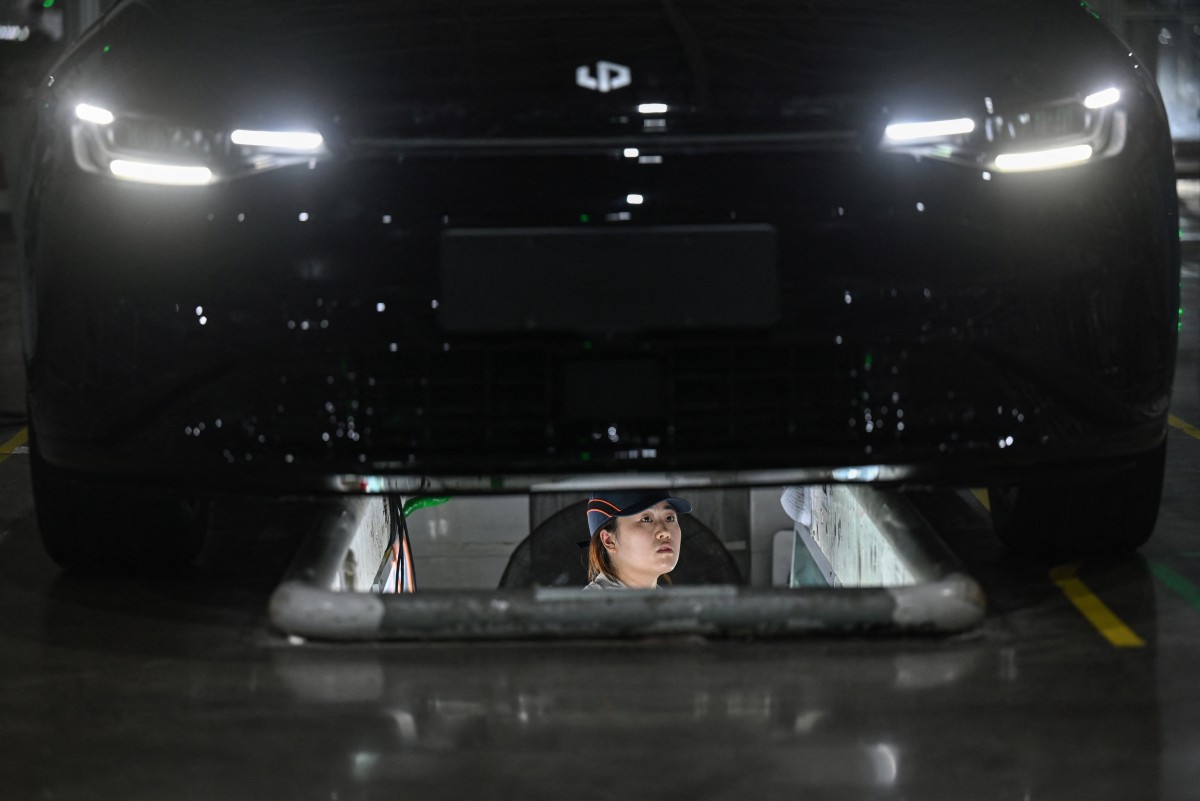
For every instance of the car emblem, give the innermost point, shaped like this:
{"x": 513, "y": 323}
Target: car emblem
{"x": 608, "y": 76}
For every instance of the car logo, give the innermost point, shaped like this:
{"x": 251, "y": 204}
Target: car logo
{"x": 608, "y": 76}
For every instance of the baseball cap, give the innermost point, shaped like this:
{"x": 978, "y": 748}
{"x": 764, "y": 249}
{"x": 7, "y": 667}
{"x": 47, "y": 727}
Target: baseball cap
{"x": 603, "y": 506}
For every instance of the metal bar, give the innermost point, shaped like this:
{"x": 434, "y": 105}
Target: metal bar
{"x": 306, "y": 605}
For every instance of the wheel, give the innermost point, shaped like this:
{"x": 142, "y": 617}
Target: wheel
{"x": 1110, "y": 515}
{"x": 91, "y": 526}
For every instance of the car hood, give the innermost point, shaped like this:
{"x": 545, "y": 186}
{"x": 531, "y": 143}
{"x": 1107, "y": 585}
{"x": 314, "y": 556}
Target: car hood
{"x": 502, "y": 69}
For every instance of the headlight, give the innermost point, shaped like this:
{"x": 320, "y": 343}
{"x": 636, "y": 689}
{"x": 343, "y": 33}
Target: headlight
{"x": 1028, "y": 138}
{"x": 145, "y": 149}
{"x": 901, "y": 132}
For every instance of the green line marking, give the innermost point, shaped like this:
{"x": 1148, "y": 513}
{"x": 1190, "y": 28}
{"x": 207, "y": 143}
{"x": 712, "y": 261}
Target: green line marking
{"x": 1174, "y": 581}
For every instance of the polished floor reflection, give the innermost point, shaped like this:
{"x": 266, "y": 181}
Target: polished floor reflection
{"x": 177, "y": 687}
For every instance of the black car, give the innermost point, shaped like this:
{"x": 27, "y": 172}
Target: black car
{"x": 495, "y": 246}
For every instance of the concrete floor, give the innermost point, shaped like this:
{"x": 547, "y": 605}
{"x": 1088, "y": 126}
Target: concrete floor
{"x": 113, "y": 689}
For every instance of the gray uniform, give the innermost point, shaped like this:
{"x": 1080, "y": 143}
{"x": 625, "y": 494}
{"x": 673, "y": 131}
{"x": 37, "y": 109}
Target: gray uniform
{"x": 603, "y": 582}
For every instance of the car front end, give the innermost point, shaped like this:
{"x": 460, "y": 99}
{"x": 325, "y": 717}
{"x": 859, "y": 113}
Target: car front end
{"x": 515, "y": 249}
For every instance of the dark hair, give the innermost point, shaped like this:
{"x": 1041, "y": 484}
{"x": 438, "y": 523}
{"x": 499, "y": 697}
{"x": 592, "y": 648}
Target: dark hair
{"x": 598, "y": 559}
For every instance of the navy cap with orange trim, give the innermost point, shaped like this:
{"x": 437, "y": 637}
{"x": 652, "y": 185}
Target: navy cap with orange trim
{"x": 603, "y": 506}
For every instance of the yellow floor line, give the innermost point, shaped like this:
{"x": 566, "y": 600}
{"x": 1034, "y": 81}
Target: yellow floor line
{"x": 1092, "y": 608}
{"x": 1187, "y": 428}
{"x": 981, "y": 495}
{"x": 6, "y": 450}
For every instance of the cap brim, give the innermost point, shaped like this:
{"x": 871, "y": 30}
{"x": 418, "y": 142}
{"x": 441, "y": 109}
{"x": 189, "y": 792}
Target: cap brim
{"x": 604, "y": 507}
{"x": 646, "y": 501}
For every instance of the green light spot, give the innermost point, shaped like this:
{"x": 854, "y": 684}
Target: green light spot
{"x": 1085, "y": 4}
{"x": 587, "y": 344}
{"x": 585, "y": 456}
{"x": 868, "y": 361}
{"x": 47, "y": 3}
{"x": 584, "y": 218}
{"x": 107, "y": 48}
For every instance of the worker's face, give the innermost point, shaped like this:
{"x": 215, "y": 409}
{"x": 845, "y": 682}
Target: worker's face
{"x": 645, "y": 546}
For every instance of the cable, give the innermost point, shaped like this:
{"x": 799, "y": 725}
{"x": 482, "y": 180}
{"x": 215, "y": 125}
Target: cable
{"x": 408, "y": 574}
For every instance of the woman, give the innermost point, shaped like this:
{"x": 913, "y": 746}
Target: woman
{"x": 635, "y": 538}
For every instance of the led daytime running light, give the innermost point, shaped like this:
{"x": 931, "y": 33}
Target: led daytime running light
{"x": 89, "y": 113}
{"x": 934, "y": 129}
{"x": 1107, "y": 97}
{"x": 279, "y": 140}
{"x": 166, "y": 174}
{"x": 1043, "y": 159}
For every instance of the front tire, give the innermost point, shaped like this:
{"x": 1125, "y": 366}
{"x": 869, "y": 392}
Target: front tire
{"x": 1110, "y": 515}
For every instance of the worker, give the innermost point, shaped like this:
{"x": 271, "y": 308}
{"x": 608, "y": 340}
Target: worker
{"x": 635, "y": 538}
